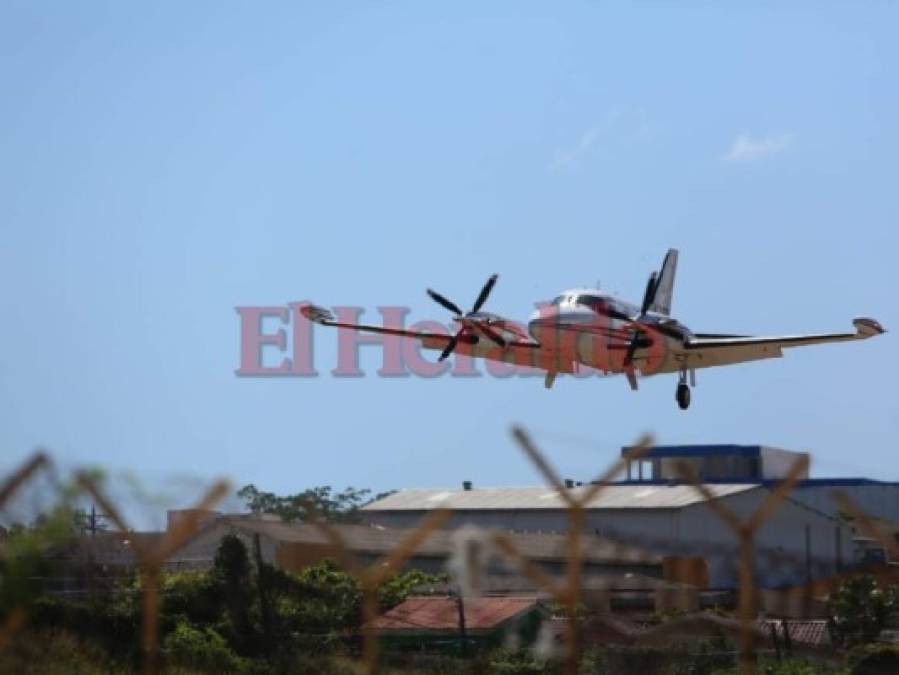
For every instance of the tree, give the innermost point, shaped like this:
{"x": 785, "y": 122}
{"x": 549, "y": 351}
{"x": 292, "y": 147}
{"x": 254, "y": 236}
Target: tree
{"x": 335, "y": 507}
{"x": 25, "y": 562}
{"x": 859, "y": 610}
{"x": 232, "y": 575}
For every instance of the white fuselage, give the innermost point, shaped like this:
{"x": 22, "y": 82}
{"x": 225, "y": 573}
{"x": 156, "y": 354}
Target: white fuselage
{"x": 594, "y": 329}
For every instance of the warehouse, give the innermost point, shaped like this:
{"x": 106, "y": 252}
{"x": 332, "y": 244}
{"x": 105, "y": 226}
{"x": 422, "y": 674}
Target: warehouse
{"x": 293, "y": 546}
{"x": 798, "y": 544}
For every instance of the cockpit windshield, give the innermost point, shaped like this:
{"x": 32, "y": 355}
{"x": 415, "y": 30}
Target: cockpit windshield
{"x": 605, "y": 306}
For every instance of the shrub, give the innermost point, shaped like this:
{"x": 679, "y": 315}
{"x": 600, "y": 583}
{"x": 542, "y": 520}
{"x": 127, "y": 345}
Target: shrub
{"x": 203, "y": 649}
{"x": 875, "y": 659}
{"x": 519, "y": 662}
{"x": 859, "y": 611}
{"x": 56, "y": 652}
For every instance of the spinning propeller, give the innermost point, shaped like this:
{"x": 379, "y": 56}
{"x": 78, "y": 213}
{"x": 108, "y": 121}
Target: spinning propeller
{"x": 648, "y": 298}
{"x": 471, "y": 323}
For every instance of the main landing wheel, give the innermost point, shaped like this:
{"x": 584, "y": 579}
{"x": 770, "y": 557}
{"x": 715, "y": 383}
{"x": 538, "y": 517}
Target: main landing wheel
{"x": 683, "y": 396}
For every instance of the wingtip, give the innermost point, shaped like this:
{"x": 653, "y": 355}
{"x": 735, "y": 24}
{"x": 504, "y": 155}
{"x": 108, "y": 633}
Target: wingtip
{"x": 316, "y": 314}
{"x": 867, "y": 327}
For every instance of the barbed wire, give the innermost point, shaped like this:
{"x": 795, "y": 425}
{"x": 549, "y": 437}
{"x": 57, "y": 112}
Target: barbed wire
{"x": 567, "y": 590}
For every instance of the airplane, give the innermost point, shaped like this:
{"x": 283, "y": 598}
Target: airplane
{"x": 587, "y": 327}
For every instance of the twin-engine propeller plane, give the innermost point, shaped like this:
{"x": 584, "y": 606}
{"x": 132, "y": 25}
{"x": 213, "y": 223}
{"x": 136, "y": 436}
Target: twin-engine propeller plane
{"x": 590, "y": 328}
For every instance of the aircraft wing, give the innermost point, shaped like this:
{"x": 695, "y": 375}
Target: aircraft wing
{"x": 705, "y": 351}
{"x": 520, "y": 352}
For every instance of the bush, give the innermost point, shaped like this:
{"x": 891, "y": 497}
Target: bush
{"x": 876, "y": 659}
{"x": 859, "y": 610}
{"x": 519, "y": 662}
{"x": 788, "y": 667}
{"x": 55, "y": 652}
{"x": 191, "y": 595}
{"x": 203, "y": 649}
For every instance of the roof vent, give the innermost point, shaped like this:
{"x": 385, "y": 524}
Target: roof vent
{"x": 466, "y": 485}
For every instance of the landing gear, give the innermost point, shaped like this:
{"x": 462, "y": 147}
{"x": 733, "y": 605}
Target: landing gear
{"x": 683, "y": 390}
{"x": 683, "y": 396}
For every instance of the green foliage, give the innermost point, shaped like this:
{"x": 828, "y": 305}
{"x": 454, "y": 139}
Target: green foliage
{"x": 400, "y": 586}
{"x": 195, "y": 596}
{"x": 323, "y": 599}
{"x": 859, "y": 610}
{"x": 232, "y": 563}
{"x": 787, "y": 667}
{"x": 519, "y": 662}
{"x": 336, "y": 507}
{"x": 201, "y": 648}
{"x": 25, "y": 562}
{"x": 55, "y": 652}
{"x": 234, "y": 588}
{"x": 700, "y": 657}
{"x": 874, "y": 659}
{"x": 113, "y": 625}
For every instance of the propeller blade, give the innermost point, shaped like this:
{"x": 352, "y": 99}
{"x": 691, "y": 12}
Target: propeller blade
{"x": 650, "y": 293}
{"x": 482, "y": 298}
{"x": 450, "y": 346}
{"x": 631, "y": 350}
{"x": 439, "y": 299}
{"x": 490, "y": 333}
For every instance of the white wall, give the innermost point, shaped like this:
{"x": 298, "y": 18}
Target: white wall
{"x": 881, "y": 501}
{"x": 776, "y": 463}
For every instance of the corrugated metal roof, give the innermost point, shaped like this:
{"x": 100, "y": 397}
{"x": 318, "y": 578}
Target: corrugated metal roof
{"x": 531, "y": 498}
{"x": 441, "y": 543}
{"x": 496, "y": 584}
{"x": 442, "y": 614}
{"x": 808, "y": 631}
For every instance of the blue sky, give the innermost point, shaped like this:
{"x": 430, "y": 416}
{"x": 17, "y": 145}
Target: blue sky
{"x": 160, "y": 165}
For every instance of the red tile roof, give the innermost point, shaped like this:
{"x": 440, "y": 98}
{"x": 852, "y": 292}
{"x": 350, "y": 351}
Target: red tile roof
{"x": 442, "y": 614}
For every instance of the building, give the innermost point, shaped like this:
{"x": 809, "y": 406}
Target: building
{"x": 713, "y": 463}
{"x": 293, "y": 546}
{"x": 654, "y": 509}
{"x": 763, "y": 465}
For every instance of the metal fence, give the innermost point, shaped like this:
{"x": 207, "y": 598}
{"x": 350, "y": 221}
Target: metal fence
{"x": 567, "y": 592}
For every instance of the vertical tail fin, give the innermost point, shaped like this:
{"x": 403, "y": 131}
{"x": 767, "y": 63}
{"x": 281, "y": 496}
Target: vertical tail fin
{"x": 665, "y": 285}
